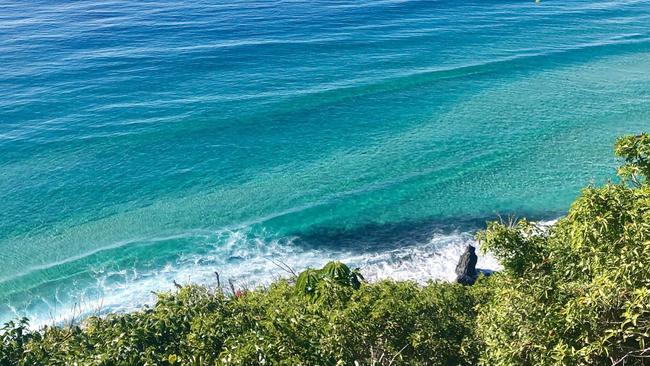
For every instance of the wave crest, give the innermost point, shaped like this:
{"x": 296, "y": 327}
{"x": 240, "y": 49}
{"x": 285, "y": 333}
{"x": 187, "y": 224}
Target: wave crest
{"x": 248, "y": 259}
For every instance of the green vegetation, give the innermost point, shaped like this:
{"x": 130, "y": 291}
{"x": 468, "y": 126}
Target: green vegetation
{"x": 195, "y": 326}
{"x": 576, "y": 293}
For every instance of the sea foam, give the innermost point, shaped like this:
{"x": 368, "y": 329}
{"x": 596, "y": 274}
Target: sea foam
{"x": 249, "y": 261}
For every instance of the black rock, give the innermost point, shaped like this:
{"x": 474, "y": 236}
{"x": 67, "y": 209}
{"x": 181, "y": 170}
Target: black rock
{"x": 466, "y": 269}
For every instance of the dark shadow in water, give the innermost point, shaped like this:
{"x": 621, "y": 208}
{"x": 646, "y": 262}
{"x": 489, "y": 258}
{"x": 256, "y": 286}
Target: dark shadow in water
{"x": 375, "y": 237}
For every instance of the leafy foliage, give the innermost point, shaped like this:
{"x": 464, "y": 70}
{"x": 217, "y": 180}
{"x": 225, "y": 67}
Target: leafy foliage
{"x": 574, "y": 293}
{"x": 577, "y": 293}
{"x": 635, "y": 150}
{"x": 318, "y": 285}
{"x": 388, "y": 321}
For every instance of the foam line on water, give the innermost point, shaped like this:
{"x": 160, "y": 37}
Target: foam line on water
{"x": 249, "y": 261}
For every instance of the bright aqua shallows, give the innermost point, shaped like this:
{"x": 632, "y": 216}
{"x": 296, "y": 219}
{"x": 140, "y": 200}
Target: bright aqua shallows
{"x": 148, "y": 141}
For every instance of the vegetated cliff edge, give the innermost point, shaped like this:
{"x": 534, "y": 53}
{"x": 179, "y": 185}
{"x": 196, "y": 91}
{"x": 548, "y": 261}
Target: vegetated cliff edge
{"x": 574, "y": 293}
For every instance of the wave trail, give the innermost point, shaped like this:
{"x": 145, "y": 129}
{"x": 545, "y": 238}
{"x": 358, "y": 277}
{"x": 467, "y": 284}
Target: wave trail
{"x": 246, "y": 258}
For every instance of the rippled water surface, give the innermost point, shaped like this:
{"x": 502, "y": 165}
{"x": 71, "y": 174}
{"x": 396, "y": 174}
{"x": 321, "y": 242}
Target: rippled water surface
{"x": 148, "y": 141}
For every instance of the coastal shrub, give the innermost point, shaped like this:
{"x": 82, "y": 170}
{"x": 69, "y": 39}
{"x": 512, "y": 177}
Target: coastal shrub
{"x": 635, "y": 150}
{"x": 334, "y": 279}
{"x": 373, "y": 324}
{"x": 577, "y": 293}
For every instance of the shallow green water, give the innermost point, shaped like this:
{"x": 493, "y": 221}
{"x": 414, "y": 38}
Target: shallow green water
{"x": 145, "y": 142}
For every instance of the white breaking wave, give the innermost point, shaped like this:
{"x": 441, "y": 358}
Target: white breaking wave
{"x": 251, "y": 262}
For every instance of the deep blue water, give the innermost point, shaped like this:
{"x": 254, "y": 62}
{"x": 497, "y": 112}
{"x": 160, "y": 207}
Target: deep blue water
{"x": 148, "y": 141}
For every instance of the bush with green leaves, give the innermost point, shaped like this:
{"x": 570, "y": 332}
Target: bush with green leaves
{"x": 574, "y": 293}
{"x": 373, "y": 324}
{"x": 577, "y": 293}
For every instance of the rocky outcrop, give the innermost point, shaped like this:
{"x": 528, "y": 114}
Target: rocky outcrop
{"x": 466, "y": 269}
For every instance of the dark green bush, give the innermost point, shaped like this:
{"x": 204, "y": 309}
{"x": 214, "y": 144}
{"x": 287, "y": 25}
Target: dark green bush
{"x": 578, "y": 293}
{"x": 398, "y": 322}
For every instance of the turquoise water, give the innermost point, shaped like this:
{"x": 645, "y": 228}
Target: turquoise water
{"x": 143, "y": 142}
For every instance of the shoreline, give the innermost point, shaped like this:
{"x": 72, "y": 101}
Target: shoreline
{"x": 413, "y": 260}
{"x": 420, "y": 263}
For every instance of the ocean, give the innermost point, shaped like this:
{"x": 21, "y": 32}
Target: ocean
{"x": 146, "y": 142}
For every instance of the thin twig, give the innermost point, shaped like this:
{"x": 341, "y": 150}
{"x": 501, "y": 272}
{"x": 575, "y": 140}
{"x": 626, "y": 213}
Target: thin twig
{"x": 283, "y": 266}
{"x": 218, "y": 280}
{"x": 397, "y": 354}
{"x": 632, "y": 354}
{"x": 232, "y": 286}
